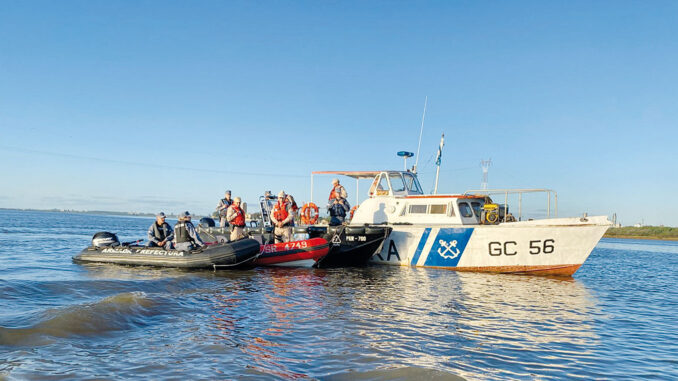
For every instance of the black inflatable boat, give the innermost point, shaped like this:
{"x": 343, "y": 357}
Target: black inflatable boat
{"x": 107, "y": 249}
{"x": 350, "y": 245}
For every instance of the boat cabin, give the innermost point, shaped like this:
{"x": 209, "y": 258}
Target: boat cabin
{"x": 396, "y": 197}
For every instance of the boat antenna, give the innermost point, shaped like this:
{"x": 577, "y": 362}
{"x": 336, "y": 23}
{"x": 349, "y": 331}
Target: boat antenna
{"x": 423, "y": 116}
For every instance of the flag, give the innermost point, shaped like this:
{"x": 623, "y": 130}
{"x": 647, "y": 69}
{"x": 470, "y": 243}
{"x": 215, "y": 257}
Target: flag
{"x": 440, "y": 150}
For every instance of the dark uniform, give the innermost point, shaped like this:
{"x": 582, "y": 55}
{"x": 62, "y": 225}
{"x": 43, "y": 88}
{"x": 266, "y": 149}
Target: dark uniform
{"x": 160, "y": 232}
{"x": 338, "y": 211}
{"x": 185, "y": 236}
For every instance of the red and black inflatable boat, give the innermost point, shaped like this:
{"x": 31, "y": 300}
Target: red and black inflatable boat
{"x": 294, "y": 254}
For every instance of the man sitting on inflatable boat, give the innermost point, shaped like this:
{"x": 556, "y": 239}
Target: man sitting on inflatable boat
{"x": 160, "y": 233}
{"x": 185, "y": 236}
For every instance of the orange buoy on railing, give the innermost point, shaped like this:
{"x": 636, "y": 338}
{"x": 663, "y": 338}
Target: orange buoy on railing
{"x": 353, "y": 209}
{"x": 309, "y": 213}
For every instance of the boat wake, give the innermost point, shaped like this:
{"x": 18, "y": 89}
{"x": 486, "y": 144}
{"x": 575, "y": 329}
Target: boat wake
{"x": 115, "y": 313}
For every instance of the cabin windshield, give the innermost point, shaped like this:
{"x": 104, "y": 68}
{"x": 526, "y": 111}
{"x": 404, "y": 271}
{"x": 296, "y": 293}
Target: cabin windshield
{"x": 397, "y": 184}
{"x": 412, "y": 184}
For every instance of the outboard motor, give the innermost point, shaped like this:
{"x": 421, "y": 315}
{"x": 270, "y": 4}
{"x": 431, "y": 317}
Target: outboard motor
{"x": 105, "y": 239}
{"x": 207, "y": 222}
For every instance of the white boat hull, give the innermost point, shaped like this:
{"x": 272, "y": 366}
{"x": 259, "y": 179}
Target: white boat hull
{"x": 552, "y": 246}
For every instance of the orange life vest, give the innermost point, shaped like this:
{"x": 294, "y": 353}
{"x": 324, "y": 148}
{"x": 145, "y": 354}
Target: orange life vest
{"x": 239, "y": 219}
{"x": 280, "y": 213}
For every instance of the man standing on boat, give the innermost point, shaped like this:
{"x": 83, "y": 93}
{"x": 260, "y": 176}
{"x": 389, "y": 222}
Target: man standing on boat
{"x": 160, "y": 234}
{"x": 338, "y": 208}
{"x": 236, "y": 218}
{"x": 293, "y": 207}
{"x": 282, "y": 216}
{"x": 185, "y": 236}
{"x": 337, "y": 189}
{"x": 222, "y": 208}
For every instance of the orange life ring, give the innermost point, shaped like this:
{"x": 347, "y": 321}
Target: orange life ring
{"x": 309, "y": 213}
{"x": 353, "y": 209}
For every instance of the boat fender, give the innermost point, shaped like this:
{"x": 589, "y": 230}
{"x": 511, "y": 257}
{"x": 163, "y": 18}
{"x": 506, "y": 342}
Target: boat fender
{"x": 309, "y": 214}
{"x": 355, "y": 230}
{"x": 300, "y": 230}
{"x": 105, "y": 239}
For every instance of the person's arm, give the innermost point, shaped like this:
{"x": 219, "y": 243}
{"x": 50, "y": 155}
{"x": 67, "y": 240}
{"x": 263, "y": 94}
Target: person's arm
{"x": 290, "y": 215}
{"x": 230, "y": 214}
{"x": 346, "y": 206}
{"x": 151, "y": 235}
{"x": 194, "y": 234}
{"x": 170, "y": 233}
{"x": 273, "y": 219}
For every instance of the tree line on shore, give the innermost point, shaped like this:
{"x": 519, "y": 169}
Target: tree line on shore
{"x": 654, "y": 232}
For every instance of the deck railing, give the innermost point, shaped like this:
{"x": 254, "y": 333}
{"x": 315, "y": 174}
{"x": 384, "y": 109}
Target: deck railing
{"x": 520, "y": 192}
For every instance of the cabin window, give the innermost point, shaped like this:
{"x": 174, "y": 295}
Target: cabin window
{"x": 382, "y": 186}
{"x": 417, "y": 209}
{"x": 477, "y": 207}
{"x": 412, "y": 183}
{"x": 438, "y": 209}
{"x": 465, "y": 209}
{"x": 450, "y": 210}
{"x": 397, "y": 183}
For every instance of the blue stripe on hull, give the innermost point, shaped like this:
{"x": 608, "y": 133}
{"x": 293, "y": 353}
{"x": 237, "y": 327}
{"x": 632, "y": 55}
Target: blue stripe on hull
{"x": 448, "y": 247}
{"x": 420, "y": 247}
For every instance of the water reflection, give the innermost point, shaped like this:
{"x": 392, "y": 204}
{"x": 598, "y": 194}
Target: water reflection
{"x": 287, "y": 299}
{"x": 435, "y": 318}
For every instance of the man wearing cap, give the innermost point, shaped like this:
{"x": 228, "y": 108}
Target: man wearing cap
{"x": 282, "y": 216}
{"x": 236, "y": 218}
{"x": 185, "y": 236}
{"x": 222, "y": 208}
{"x": 160, "y": 233}
{"x": 337, "y": 189}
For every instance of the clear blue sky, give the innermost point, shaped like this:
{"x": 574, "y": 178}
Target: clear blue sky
{"x": 149, "y": 105}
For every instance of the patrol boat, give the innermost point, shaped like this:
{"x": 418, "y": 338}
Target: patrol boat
{"x": 469, "y": 232}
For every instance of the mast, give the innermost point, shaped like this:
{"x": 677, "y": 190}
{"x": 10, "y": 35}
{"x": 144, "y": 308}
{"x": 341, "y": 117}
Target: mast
{"x": 438, "y": 159}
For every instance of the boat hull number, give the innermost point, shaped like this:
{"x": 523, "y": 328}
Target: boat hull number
{"x": 353, "y": 238}
{"x": 535, "y": 247}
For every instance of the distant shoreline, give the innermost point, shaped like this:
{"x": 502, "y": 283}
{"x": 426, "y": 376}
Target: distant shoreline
{"x": 642, "y": 237}
{"x": 97, "y": 212}
{"x": 666, "y": 233}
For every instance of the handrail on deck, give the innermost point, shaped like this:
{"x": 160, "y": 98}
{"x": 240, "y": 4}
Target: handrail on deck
{"x": 520, "y": 192}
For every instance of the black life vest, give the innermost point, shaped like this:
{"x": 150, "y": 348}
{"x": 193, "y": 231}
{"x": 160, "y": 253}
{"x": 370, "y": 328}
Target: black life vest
{"x": 161, "y": 232}
{"x": 337, "y": 210}
{"x": 226, "y": 202}
{"x": 181, "y": 233}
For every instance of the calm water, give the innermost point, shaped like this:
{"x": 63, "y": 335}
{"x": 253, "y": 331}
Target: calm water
{"x": 617, "y": 318}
